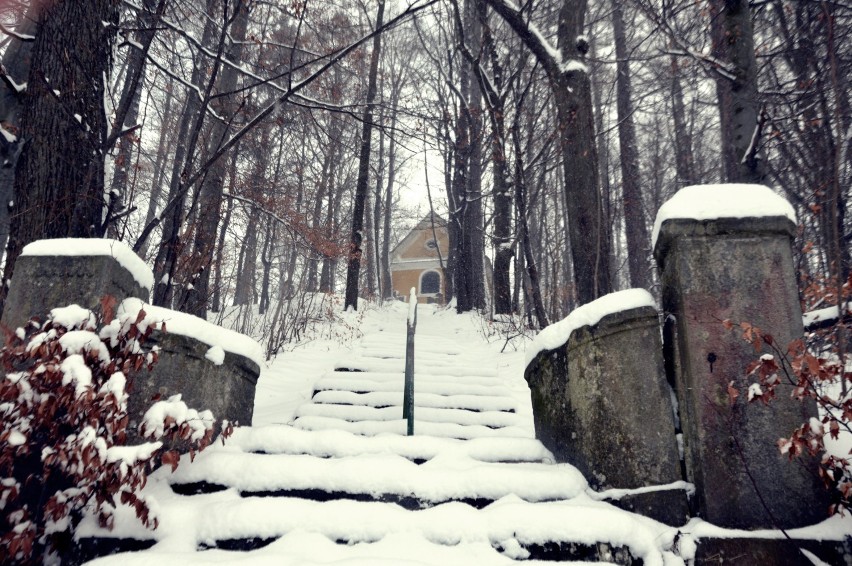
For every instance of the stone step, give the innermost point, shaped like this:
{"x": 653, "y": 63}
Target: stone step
{"x": 444, "y": 430}
{"x": 363, "y": 385}
{"x": 516, "y": 553}
{"x": 426, "y": 367}
{"x": 381, "y": 477}
{"x": 380, "y": 399}
{"x": 575, "y": 530}
{"x": 355, "y": 413}
{"x": 419, "y": 377}
{"x": 285, "y": 439}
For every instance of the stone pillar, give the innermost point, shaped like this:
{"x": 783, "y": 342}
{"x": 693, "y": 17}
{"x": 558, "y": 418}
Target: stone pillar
{"x": 741, "y": 269}
{"x": 209, "y": 366}
{"x": 57, "y": 273}
{"x": 226, "y": 389}
{"x": 601, "y": 403}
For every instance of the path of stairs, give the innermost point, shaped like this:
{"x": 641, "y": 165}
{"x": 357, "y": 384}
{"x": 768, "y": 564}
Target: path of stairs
{"x": 342, "y": 483}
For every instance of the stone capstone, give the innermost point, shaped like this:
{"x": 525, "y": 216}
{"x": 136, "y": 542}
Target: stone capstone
{"x": 41, "y": 283}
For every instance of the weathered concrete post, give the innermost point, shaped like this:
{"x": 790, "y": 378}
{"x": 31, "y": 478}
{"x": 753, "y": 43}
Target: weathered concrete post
{"x": 724, "y": 253}
{"x": 56, "y": 273}
{"x": 601, "y": 402}
{"x": 209, "y": 366}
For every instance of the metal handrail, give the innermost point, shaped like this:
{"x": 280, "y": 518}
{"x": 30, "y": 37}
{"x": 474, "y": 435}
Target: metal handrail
{"x": 408, "y": 396}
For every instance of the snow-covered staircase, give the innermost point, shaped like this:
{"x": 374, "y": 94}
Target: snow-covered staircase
{"x": 343, "y": 483}
{"x": 458, "y": 393}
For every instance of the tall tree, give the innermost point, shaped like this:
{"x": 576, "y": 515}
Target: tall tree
{"x": 59, "y": 179}
{"x": 571, "y": 88}
{"x": 631, "y": 181}
{"x": 353, "y": 268}
{"x": 736, "y": 87}
{"x": 16, "y": 69}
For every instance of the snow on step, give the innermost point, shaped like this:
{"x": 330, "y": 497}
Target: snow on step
{"x": 423, "y": 377}
{"x": 421, "y": 367}
{"x": 447, "y": 430}
{"x": 491, "y": 419}
{"x": 436, "y": 481}
{"x": 508, "y": 523}
{"x": 282, "y": 439}
{"x": 389, "y": 399}
{"x": 361, "y": 385}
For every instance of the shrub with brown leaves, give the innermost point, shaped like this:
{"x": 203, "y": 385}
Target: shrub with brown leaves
{"x": 63, "y": 406}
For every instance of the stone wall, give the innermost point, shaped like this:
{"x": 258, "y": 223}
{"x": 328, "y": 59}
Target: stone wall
{"x": 56, "y": 273}
{"x": 601, "y": 402}
{"x": 599, "y": 396}
{"x": 226, "y": 389}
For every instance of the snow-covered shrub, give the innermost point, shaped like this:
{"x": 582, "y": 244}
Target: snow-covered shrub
{"x": 63, "y": 406}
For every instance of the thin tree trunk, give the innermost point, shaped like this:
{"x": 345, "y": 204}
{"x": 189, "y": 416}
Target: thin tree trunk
{"x": 523, "y": 228}
{"x": 631, "y": 179}
{"x": 354, "y": 263}
{"x": 171, "y": 246}
{"x": 387, "y": 286}
{"x": 210, "y": 192}
{"x": 216, "y": 302}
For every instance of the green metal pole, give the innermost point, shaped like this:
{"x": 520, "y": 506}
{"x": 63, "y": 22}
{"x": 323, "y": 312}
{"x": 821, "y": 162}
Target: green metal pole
{"x": 408, "y": 396}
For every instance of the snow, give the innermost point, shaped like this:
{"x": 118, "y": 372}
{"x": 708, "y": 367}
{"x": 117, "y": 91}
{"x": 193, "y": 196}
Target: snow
{"x": 155, "y": 418}
{"x": 216, "y": 355}
{"x": 412, "y": 306}
{"x": 463, "y": 498}
{"x": 95, "y": 247}
{"x": 16, "y": 438}
{"x": 732, "y": 200}
{"x": 828, "y": 313}
{"x": 73, "y": 316}
{"x": 188, "y": 325}
{"x": 81, "y": 341}
{"x": 74, "y": 370}
{"x": 129, "y": 455}
{"x": 572, "y": 65}
{"x": 589, "y": 314}
{"x": 7, "y": 135}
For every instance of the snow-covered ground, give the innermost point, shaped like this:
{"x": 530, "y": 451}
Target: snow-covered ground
{"x": 330, "y": 478}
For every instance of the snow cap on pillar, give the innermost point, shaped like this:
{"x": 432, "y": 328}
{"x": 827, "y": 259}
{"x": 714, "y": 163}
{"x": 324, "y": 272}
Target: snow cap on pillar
{"x": 722, "y": 201}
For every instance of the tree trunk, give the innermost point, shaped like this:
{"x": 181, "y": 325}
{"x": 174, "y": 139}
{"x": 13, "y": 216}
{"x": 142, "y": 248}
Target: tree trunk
{"x": 354, "y": 264}
{"x": 387, "y": 286}
{"x": 127, "y": 112}
{"x": 684, "y": 161}
{"x": 16, "y": 62}
{"x": 631, "y": 181}
{"x": 266, "y": 261}
{"x": 59, "y": 180}
{"x": 171, "y": 246}
{"x": 571, "y": 87}
{"x": 163, "y": 146}
{"x": 212, "y": 188}
{"x": 524, "y": 233}
{"x": 573, "y": 98}
{"x": 216, "y": 303}
{"x": 244, "y": 291}
{"x": 739, "y": 107}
